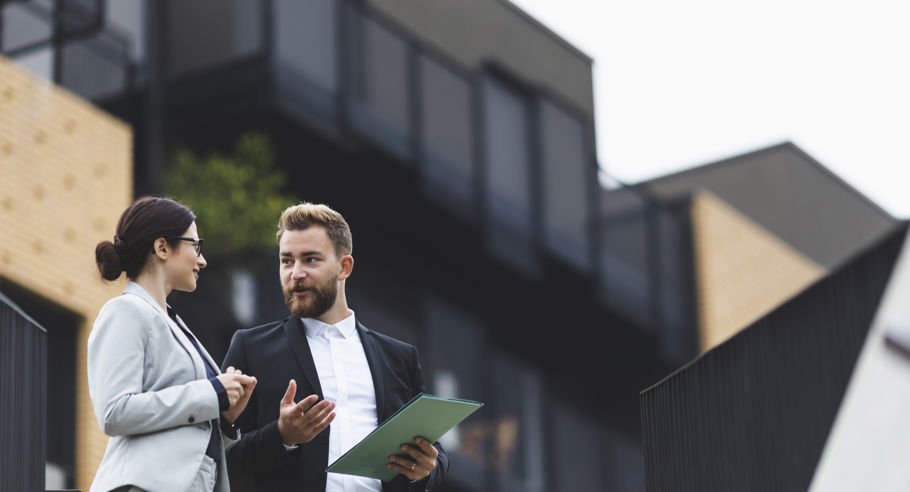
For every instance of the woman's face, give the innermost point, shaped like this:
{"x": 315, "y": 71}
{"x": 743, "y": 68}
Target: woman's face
{"x": 183, "y": 266}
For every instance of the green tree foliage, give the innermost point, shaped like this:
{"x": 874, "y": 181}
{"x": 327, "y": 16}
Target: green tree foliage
{"x": 236, "y": 198}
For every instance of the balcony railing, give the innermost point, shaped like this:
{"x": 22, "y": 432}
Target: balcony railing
{"x": 23, "y": 354}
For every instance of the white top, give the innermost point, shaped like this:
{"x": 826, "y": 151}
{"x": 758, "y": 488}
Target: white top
{"x": 346, "y": 379}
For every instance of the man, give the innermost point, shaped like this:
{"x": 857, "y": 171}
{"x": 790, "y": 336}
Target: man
{"x": 358, "y": 376}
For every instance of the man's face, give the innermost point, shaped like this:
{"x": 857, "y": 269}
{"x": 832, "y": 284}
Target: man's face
{"x": 309, "y": 270}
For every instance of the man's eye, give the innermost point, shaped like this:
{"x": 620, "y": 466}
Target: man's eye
{"x": 285, "y": 261}
{"x": 312, "y": 260}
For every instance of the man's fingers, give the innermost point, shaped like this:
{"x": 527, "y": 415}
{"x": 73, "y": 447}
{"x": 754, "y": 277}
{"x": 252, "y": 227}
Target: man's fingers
{"x": 402, "y": 465}
{"x": 318, "y": 412}
{"x": 288, "y": 398}
{"x": 411, "y": 450}
{"x": 325, "y": 420}
{"x": 319, "y": 425}
{"x": 307, "y": 402}
{"x": 427, "y": 447}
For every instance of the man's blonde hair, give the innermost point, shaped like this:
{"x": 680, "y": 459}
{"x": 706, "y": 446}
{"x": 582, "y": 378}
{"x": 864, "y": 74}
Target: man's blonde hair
{"x": 305, "y": 215}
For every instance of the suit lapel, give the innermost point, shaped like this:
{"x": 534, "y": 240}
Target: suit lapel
{"x": 294, "y": 330}
{"x": 375, "y": 361}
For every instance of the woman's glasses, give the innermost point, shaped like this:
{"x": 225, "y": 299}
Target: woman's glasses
{"x": 197, "y": 243}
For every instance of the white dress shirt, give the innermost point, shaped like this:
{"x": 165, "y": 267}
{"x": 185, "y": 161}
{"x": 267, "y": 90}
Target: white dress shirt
{"x": 346, "y": 379}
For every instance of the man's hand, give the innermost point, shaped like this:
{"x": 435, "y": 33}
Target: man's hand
{"x": 239, "y": 389}
{"x": 300, "y": 422}
{"x": 419, "y": 459}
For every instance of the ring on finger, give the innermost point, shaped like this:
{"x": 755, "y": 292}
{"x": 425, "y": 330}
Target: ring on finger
{"x": 413, "y": 465}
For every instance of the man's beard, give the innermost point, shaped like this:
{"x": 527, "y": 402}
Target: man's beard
{"x": 320, "y": 300}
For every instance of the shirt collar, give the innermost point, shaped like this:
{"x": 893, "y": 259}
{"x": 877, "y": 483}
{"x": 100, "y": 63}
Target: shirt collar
{"x": 347, "y": 326}
{"x": 139, "y": 291}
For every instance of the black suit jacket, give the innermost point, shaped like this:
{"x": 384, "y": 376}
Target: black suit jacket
{"x": 278, "y": 352}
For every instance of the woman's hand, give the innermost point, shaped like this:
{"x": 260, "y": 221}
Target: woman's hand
{"x": 239, "y": 389}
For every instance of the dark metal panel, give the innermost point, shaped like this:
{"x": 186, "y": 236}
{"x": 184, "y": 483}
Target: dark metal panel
{"x": 754, "y": 413}
{"x": 22, "y": 406}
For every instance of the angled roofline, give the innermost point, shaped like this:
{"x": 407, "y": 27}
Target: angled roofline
{"x": 733, "y": 160}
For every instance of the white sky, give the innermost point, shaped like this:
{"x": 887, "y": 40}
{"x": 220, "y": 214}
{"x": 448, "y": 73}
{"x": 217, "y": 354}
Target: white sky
{"x": 682, "y": 83}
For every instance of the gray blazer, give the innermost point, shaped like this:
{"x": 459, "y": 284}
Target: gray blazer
{"x": 150, "y": 394}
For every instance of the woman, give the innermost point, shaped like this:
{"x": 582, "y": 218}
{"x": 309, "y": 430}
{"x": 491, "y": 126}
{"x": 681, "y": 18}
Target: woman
{"x": 154, "y": 389}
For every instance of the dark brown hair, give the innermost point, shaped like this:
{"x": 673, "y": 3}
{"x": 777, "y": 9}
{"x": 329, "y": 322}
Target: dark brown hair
{"x": 146, "y": 220}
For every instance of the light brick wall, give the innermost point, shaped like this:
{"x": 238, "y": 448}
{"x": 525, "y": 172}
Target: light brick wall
{"x": 65, "y": 177}
{"x": 743, "y": 271}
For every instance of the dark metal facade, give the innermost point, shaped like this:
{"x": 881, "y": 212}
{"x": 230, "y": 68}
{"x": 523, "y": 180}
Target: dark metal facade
{"x": 753, "y": 414}
{"x": 22, "y": 406}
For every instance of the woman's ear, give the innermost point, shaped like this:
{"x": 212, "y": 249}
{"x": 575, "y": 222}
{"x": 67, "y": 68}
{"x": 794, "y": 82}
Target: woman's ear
{"x": 160, "y": 248}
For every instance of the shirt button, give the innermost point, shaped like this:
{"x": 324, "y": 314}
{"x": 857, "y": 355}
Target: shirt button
{"x": 192, "y": 419}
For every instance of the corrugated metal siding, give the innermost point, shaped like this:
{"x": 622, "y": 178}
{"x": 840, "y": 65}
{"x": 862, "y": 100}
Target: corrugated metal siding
{"x": 23, "y": 354}
{"x": 754, "y": 413}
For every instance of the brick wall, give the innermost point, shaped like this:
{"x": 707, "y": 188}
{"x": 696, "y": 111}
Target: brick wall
{"x": 65, "y": 177}
{"x": 743, "y": 271}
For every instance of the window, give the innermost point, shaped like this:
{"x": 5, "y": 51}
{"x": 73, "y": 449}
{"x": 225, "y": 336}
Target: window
{"x": 507, "y": 174}
{"x": 204, "y": 33}
{"x": 447, "y": 146}
{"x": 380, "y": 85}
{"x": 459, "y": 370}
{"x": 567, "y": 173}
{"x": 306, "y": 51}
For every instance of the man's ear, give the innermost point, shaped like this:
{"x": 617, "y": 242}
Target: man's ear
{"x": 347, "y": 266}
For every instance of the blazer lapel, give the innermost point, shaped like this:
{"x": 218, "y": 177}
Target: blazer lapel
{"x": 202, "y": 349}
{"x": 137, "y": 290}
{"x": 375, "y": 361}
{"x": 296, "y": 334}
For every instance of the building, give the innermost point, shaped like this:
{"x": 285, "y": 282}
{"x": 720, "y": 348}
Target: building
{"x": 765, "y": 225}
{"x": 456, "y": 137}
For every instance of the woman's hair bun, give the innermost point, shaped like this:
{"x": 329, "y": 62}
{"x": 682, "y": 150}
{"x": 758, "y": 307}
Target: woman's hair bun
{"x": 109, "y": 261}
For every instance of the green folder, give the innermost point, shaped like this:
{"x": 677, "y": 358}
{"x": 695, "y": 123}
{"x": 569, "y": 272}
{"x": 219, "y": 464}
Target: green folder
{"x": 425, "y": 415}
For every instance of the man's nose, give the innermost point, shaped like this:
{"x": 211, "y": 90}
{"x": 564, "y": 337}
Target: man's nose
{"x": 298, "y": 271}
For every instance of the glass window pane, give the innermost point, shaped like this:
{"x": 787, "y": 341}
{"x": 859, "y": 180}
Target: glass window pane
{"x": 624, "y": 463}
{"x": 39, "y": 62}
{"x": 94, "y": 67}
{"x": 516, "y": 435}
{"x": 128, "y": 17}
{"x": 77, "y": 16}
{"x": 203, "y": 33}
{"x": 304, "y": 37}
{"x": 508, "y": 174}
{"x": 306, "y": 56}
{"x": 447, "y": 143}
{"x": 566, "y": 174}
{"x": 624, "y": 263}
{"x": 379, "y": 78}
{"x": 25, "y": 24}
{"x": 578, "y": 450}
{"x": 457, "y": 362}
